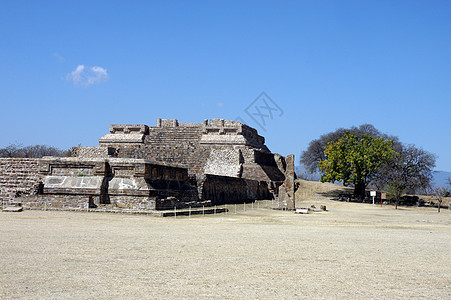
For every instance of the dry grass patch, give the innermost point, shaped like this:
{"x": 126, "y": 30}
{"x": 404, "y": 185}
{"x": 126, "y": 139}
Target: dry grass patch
{"x": 352, "y": 251}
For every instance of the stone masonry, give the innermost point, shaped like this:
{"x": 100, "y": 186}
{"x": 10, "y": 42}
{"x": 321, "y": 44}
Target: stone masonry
{"x": 216, "y": 147}
{"x": 18, "y": 176}
{"x": 121, "y": 183}
{"x": 168, "y": 165}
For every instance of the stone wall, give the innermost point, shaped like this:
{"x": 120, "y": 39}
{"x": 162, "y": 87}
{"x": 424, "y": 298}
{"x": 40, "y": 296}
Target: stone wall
{"x": 223, "y": 190}
{"x": 190, "y": 157}
{"x": 225, "y": 163}
{"x": 118, "y": 183}
{"x": 92, "y": 152}
{"x": 18, "y": 176}
{"x": 57, "y": 202}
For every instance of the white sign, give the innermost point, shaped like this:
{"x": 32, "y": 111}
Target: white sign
{"x": 373, "y": 193}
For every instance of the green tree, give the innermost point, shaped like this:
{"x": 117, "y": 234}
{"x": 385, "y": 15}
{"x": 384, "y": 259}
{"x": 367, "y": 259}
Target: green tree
{"x": 355, "y": 160}
{"x": 315, "y": 151}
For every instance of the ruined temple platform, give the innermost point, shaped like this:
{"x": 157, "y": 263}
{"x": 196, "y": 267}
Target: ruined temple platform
{"x": 170, "y": 165}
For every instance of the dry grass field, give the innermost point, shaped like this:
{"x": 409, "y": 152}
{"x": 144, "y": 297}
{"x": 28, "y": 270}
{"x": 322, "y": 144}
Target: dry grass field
{"x": 351, "y": 251}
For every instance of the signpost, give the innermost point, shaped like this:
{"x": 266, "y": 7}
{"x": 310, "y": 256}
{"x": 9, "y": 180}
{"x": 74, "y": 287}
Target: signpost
{"x": 373, "y": 194}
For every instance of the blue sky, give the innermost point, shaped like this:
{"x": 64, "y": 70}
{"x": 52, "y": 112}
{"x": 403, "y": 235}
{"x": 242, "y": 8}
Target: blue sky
{"x": 69, "y": 69}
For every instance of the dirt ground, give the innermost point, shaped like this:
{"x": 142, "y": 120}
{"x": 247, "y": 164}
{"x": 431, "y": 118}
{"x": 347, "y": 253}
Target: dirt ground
{"x": 351, "y": 251}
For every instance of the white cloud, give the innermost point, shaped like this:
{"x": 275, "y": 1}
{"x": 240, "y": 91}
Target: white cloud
{"x": 86, "y": 76}
{"x": 220, "y": 104}
{"x": 59, "y": 57}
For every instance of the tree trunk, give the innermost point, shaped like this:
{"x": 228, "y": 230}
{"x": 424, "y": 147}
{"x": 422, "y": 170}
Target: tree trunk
{"x": 398, "y": 195}
{"x": 439, "y": 206}
{"x": 359, "y": 191}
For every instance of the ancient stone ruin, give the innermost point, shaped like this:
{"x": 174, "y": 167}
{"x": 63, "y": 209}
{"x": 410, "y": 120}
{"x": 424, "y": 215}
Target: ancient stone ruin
{"x": 169, "y": 165}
